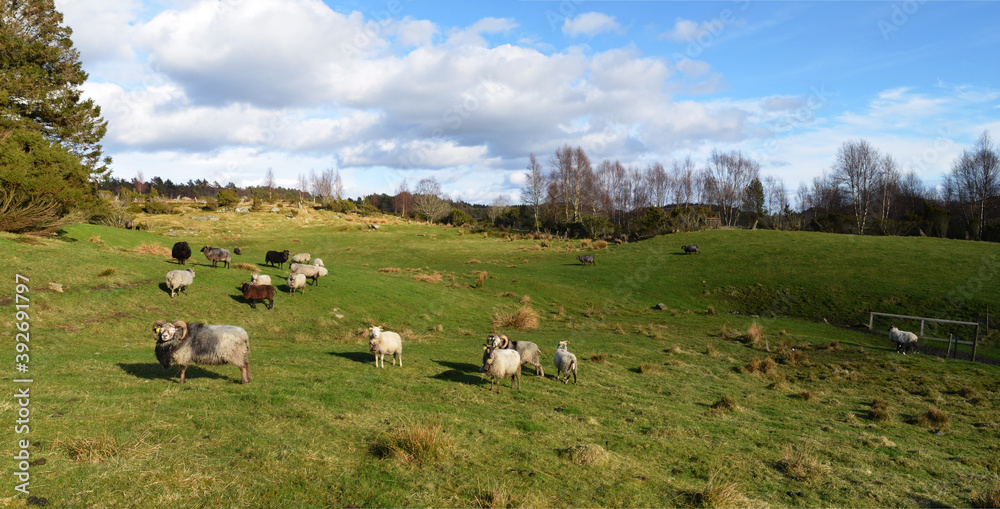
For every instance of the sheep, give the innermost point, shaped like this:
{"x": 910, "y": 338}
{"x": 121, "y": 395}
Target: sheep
{"x": 585, "y": 259}
{"x": 318, "y": 262}
{"x": 565, "y": 362}
{"x": 181, "y": 252}
{"x": 260, "y": 279}
{"x": 183, "y": 344}
{"x": 691, "y": 248}
{"x": 904, "y": 340}
{"x": 310, "y": 271}
{"x": 526, "y": 349}
{"x": 216, "y": 255}
{"x": 129, "y": 224}
{"x": 296, "y": 282}
{"x": 273, "y": 257}
{"x": 237, "y": 251}
{"x": 301, "y": 258}
{"x": 179, "y": 280}
{"x": 501, "y": 363}
{"x": 382, "y": 342}
{"x": 253, "y": 293}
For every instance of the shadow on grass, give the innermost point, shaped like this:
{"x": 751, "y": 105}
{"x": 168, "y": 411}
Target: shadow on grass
{"x": 362, "y": 357}
{"x": 460, "y": 372}
{"x": 154, "y": 371}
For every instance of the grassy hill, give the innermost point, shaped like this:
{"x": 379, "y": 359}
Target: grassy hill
{"x": 700, "y": 404}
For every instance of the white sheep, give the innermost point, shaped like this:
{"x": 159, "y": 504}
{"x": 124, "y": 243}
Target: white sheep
{"x": 310, "y": 271}
{"x": 318, "y": 262}
{"x": 501, "y": 363}
{"x": 904, "y": 340}
{"x": 179, "y": 280}
{"x": 382, "y": 343}
{"x": 301, "y": 258}
{"x": 565, "y": 362}
{"x": 296, "y": 282}
{"x": 526, "y": 349}
{"x": 260, "y": 279}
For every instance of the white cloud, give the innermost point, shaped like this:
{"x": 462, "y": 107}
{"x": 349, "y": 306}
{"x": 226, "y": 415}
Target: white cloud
{"x": 591, "y": 23}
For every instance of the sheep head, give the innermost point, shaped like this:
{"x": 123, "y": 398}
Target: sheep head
{"x": 170, "y": 331}
{"x": 374, "y": 332}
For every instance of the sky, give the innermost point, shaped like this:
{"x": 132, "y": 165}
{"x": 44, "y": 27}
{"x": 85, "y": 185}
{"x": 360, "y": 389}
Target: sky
{"x": 465, "y": 91}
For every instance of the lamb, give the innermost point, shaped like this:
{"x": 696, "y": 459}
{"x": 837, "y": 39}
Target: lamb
{"x": 310, "y": 271}
{"x": 216, "y": 255}
{"x": 318, "y": 262}
{"x": 296, "y": 282}
{"x": 904, "y": 340}
{"x": 260, "y": 279}
{"x": 301, "y": 258}
{"x": 382, "y": 342}
{"x": 179, "y": 280}
{"x": 585, "y": 259}
{"x": 253, "y": 293}
{"x": 183, "y": 344}
{"x": 691, "y": 248}
{"x": 526, "y": 349}
{"x": 273, "y": 257}
{"x": 501, "y": 363}
{"x": 565, "y": 362}
{"x": 181, "y": 252}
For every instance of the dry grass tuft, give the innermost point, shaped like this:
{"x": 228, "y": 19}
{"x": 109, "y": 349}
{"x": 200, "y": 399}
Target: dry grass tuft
{"x": 391, "y": 270}
{"x": 411, "y": 443}
{"x": 875, "y": 441}
{"x": 710, "y": 350}
{"x": 590, "y": 454}
{"x": 801, "y": 465}
{"x": 879, "y": 411}
{"x": 807, "y": 396}
{"x": 834, "y": 346}
{"x": 480, "y": 279}
{"x": 429, "y": 278}
{"x": 102, "y": 448}
{"x": 96, "y": 239}
{"x": 988, "y": 498}
{"x": 933, "y": 417}
{"x": 473, "y": 261}
{"x": 246, "y": 266}
{"x": 728, "y": 332}
{"x": 969, "y": 392}
{"x": 650, "y": 368}
{"x": 591, "y": 310}
{"x": 754, "y": 334}
{"x": 600, "y": 244}
{"x": 152, "y": 249}
{"x": 599, "y": 358}
{"x": 507, "y": 294}
{"x": 766, "y": 366}
{"x": 676, "y": 349}
{"x": 724, "y": 404}
{"x": 585, "y": 243}
{"x": 526, "y": 299}
{"x": 110, "y": 271}
{"x": 717, "y": 494}
{"x": 618, "y": 329}
{"x": 524, "y": 318}
{"x": 711, "y": 311}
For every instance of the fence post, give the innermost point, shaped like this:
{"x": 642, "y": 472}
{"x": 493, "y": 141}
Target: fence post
{"x": 975, "y": 344}
{"x": 921, "y": 328}
{"x": 948, "y": 355}
{"x": 871, "y": 320}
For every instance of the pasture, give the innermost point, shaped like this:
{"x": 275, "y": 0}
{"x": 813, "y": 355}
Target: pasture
{"x": 737, "y": 394}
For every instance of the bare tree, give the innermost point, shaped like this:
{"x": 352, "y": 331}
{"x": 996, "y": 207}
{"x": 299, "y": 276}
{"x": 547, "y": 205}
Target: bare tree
{"x": 303, "y": 186}
{"x": 337, "y": 189}
{"x": 732, "y": 173}
{"x": 139, "y": 182}
{"x": 322, "y": 184}
{"x": 533, "y": 192}
{"x": 857, "y": 169}
{"x": 404, "y": 198}
{"x": 887, "y": 187}
{"x": 974, "y": 180}
{"x": 684, "y": 176}
{"x": 429, "y": 200}
{"x": 777, "y": 199}
{"x": 269, "y": 182}
{"x": 497, "y": 207}
{"x": 658, "y": 184}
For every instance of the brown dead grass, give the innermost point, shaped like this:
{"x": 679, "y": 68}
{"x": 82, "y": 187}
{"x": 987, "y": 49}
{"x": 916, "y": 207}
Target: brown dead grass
{"x": 152, "y": 249}
{"x": 390, "y": 270}
{"x": 523, "y": 318}
{"x": 429, "y": 278}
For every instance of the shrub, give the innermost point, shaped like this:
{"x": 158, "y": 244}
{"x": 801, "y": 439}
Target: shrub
{"x": 158, "y": 207}
{"x": 211, "y": 204}
{"x": 227, "y": 198}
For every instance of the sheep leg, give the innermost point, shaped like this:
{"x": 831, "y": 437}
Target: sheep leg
{"x": 183, "y": 370}
{"x": 518, "y": 377}
{"x": 245, "y": 373}
{"x": 270, "y": 303}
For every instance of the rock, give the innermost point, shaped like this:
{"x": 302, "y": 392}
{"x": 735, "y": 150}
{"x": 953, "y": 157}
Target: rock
{"x": 55, "y": 287}
{"x": 242, "y": 210}
{"x": 661, "y": 306}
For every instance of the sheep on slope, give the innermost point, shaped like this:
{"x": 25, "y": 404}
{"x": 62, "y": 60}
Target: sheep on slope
{"x": 260, "y": 279}
{"x": 181, "y": 252}
{"x": 216, "y": 255}
{"x": 691, "y": 248}
{"x": 253, "y": 293}
{"x": 318, "y": 262}
{"x": 382, "y": 342}
{"x": 310, "y": 271}
{"x": 179, "y": 280}
{"x": 501, "y": 363}
{"x": 273, "y": 257}
{"x": 183, "y": 344}
{"x": 526, "y": 349}
{"x": 301, "y": 258}
{"x": 904, "y": 340}
{"x": 296, "y": 282}
{"x": 565, "y": 362}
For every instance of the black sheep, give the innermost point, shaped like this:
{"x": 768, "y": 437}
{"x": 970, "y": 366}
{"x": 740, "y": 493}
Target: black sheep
{"x": 181, "y": 251}
{"x": 273, "y": 257}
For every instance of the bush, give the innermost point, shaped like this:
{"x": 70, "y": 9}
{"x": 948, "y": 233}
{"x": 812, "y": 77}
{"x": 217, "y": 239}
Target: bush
{"x": 597, "y": 227}
{"x": 211, "y": 204}
{"x": 158, "y": 207}
{"x": 227, "y": 198}
{"x": 459, "y": 217}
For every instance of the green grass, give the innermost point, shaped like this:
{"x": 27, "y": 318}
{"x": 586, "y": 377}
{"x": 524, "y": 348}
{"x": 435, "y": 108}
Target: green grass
{"x": 320, "y": 426}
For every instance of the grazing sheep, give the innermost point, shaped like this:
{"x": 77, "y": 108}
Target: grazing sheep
{"x": 296, "y": 282}
{"x": 260, "y": 279}
{"x": 526, "y": 349}
{"x": 236, "y": 251}
{"x": 216, "y": 255}
{"x": 310, "y": 271}
{"x": 181, "y": 252}
{"x": 691, "y": 248}
{"x": 318, "y": 262}
{"x": 179, "y": 280}
{"x": 382, "y": 342}
{"x": 565, "y": 362}
{"x": 585, "y": 259}
{"x": 904, "y": 340}
{"x": 253, "y": 293}
{"x": 183, "y": 344}
{"x": 301, "y": 258}
{"x": 273, "y": 257}
{"x": 501, "y": 363}
{"x": 129, "y": 224}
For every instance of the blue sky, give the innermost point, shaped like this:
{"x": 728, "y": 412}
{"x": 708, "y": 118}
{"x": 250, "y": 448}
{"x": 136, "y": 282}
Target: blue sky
{"x": 464, "y": 91}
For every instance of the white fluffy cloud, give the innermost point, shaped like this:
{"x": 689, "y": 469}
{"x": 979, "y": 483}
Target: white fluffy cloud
{"x": 591, "y": 23}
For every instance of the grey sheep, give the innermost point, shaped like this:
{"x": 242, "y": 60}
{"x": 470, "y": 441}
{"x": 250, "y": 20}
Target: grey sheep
{"x": 301, "y": 258}
{"x": 691, "y": 248}
{"x": 310, "y": 271}
{"x": 904, "y": 340}
{"x": 501, "y": 363}
{"x": 216, "y": 255}
{"x": 526, "y": 349}
{"x": 179, "y": 280}
{"x": 253, "y": 293}
{"x": 183, "y": 344}
{"x": 585, "y": 259}
{"x": 565, "y": 362}
{"x": 296, "y": 282}
{"x": 382, "y": 343}
{"x": 260, "y": 279}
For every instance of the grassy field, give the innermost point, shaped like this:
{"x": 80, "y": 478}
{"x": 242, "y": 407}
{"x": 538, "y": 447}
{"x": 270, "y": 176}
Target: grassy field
{"x": 737, "y": 394}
